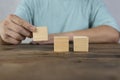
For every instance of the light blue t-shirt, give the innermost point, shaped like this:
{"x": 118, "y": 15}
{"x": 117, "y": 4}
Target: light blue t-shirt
{"x": 65, "y": 15}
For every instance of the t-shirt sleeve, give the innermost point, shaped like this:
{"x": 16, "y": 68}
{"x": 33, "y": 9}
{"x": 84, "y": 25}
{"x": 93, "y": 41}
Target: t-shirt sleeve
{"x": 100, "y": 16}
{"x": 25, "y": 10}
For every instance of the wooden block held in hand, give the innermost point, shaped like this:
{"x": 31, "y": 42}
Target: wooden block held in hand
{"x": 61, "y": 44}
{"x": 81, "y": 44}
{"x": 41, "y": 34}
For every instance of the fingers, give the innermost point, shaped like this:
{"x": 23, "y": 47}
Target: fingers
{"x": 15, "y": 19}
{"x": 13, "y": 30}
{"x": 20, "y": 30}
{"x": 11, "y": 37}
{"x": 15, "y": 35}
{"x": 10, "y": 40}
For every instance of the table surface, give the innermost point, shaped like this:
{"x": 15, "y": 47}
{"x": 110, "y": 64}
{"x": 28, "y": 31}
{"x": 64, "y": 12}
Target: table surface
{"x": 39, "y": 62}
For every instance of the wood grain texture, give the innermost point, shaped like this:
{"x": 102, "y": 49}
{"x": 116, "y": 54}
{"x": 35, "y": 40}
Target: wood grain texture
{"x": 41, "y": 34}
{"x": 61, "y": 44}
{"x": 39, "y": 62}
{"x": 81, "y": 44}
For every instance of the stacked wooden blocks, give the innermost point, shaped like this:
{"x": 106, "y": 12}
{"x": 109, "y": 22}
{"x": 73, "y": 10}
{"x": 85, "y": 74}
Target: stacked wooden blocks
{"x": 61, "y": 43}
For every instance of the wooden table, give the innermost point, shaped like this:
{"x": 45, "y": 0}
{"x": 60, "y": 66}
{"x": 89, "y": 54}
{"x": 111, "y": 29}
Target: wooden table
{"x": 39, "y": 62}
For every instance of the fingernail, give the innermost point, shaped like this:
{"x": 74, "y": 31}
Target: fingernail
{"x": 33, "y": 28}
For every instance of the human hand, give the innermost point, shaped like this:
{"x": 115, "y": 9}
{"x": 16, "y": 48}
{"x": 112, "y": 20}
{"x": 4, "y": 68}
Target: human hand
{"x": 14, "y": 29}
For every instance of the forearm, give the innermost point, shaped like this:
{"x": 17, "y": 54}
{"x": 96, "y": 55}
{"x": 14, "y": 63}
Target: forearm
{"x": 101, "y": 34}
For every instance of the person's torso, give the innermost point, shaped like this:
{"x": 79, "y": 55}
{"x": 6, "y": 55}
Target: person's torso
{"x": 62, "y": 15}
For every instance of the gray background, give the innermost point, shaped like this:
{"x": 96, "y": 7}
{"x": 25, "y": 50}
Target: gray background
{"x": 9, "y": 6}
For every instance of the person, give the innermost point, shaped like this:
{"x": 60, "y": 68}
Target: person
{"x": 63, "y": 18}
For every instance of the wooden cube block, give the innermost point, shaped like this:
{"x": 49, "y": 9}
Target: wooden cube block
{"x": 41, "y": 34}
{"x": 61, "y": 44}
{"x": 81, "y": 44}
